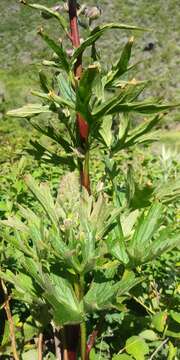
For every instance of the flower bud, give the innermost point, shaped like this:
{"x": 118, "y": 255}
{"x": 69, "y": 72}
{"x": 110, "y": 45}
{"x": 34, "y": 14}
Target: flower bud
{"x": 92, "y": 13}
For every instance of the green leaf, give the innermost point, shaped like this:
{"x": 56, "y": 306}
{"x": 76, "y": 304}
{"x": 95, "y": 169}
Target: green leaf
{"x": 147, "y": 226}
{"x": 175, "y": 316}
{"x": 5, "y": 336}
{"x": 172, "y": 351}
{"x": 52, "y": 13}
{"x": 58, "y": 49}
{"x": 100, "y": 296}
{"x": 159, "y": 321}
{"x": 43, "y": 195}
{"x": 115, "y": 105}
{"x": 29, "y": 329}
{"x": 166, "y": 241}
{"x": 84, "y": 91}
{"x": 105, "y": 130}
{"x": 51, "y": 96}
{"x": 97, "y": 33}
{"x": 121, "y": 66}
{"x": 30, "y": 355}
{"x": 65, "y": 88}
{"x": 29, "y": 111}
{"x": 123, "y": 130}
{"x": 68, "y": 196}
{"x": 168, "y": 191}
{"x": 128, "y": 221}
{"x": 173, "y": 334}
{"x": 127, "y": 282}
{"x": 43, "y": 82}
{"x": 103, "y": 216}
{"x": 93, "y": 355}
{"x": 149, "y": 335}
{"x": 60, "y": 295}
{"x": 24, "y": 287}
{"x": 137, "y": 347}
{"x": 138, "y": 135}
{"x": 15, "y": 223}
{"x": 64, "y": 253}
{"x": 116, "y": 245}
{"x": 53, "y": 133}
{"x": 143, "y": 128}
{"x": 122, "y": 357}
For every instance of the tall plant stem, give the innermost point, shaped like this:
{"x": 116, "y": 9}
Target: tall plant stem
{"x": 40, "y": 346}
{"x": 10, "y": 320}
{"x": 83, "y": 324}
{"x": 83, "y": 340}
{"x": 57, "y": 342}
{"x": 82, "y": 125}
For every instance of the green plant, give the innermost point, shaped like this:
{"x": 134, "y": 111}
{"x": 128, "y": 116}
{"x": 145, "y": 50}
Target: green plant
{"x": 80, "y": 253}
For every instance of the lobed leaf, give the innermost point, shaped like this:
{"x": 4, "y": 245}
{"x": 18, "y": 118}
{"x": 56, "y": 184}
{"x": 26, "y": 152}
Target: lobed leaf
{"x": 43, "y": 195}
{"x": 60, "y": 295}
{"x": 147, "y": 226}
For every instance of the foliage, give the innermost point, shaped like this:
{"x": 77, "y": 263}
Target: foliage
{"x": 75, "y": 257}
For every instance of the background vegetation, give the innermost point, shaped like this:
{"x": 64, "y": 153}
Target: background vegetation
{"x": 21, "y": 51}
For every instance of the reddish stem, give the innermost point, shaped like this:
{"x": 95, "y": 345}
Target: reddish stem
{"x": 72, "y": 332}
{"x": 82, "y": 125}
{"x": 91, "y": 343}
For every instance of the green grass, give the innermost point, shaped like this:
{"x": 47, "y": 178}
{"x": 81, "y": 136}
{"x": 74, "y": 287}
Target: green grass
{"x": 20, "y": 47}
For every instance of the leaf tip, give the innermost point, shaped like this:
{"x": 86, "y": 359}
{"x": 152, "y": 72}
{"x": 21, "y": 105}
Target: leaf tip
{"x": 40, "y": 30}
{"x": 131, "y": 40}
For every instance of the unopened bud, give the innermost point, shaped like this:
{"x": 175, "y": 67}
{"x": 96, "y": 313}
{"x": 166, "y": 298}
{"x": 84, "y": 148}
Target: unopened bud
{"x": 57, "y": 8}
{"x": 66, "y": 7}
{"x": 131, "y": 39}
{"x": 40, "y": 30}
{"x": 92, "y": 13}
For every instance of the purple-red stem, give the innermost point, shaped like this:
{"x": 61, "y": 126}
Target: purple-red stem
{"x": 72, "y": 333}
{"x": 82, "y": 125}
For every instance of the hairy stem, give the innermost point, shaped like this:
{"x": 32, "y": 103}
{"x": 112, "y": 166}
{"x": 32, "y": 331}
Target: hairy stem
{"x": 10, "y": 320}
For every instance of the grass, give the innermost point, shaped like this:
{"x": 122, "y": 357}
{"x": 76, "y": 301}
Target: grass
{"x": 21, "y": 49}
